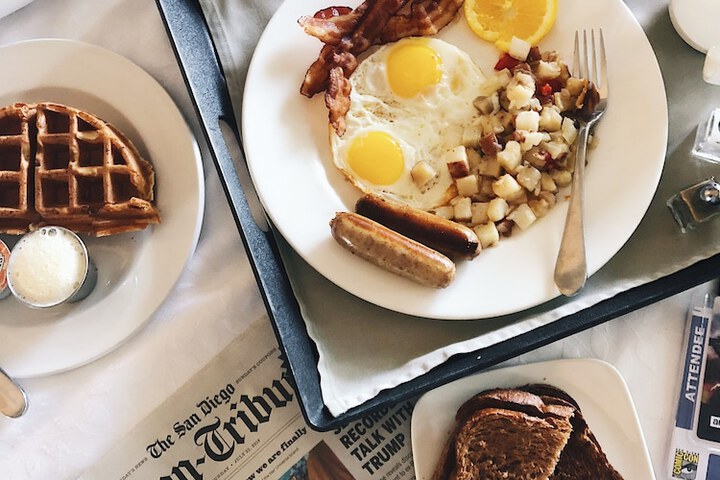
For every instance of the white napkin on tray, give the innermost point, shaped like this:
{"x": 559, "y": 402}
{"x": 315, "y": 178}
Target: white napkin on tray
{"x": 364, "y": 349}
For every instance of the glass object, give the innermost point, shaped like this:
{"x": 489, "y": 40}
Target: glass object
{"x": 707, "y": 139}
{"x": 696, "y": 204}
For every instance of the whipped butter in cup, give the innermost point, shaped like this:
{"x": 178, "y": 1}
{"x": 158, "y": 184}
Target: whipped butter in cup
{"x": 4, "y": 259}
{"x": 50, "y": 266}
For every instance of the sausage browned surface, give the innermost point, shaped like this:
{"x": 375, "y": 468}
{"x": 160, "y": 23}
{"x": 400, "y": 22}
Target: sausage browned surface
{"x": 392, "y": 251}
{"x": 451, "y": 238}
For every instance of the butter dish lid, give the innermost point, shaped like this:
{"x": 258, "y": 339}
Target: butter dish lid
{"x": 9, "y": 6}
{"x": 696, "y": 21}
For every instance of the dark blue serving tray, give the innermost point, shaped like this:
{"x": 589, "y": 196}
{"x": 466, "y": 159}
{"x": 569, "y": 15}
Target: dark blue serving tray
{"x": 196, "y": 55}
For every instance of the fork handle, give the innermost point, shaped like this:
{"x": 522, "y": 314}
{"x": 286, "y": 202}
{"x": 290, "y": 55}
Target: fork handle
{"x": 571, "y": 266}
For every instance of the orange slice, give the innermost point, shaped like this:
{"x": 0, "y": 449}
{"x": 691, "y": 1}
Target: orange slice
{"x": 497, "y": 21}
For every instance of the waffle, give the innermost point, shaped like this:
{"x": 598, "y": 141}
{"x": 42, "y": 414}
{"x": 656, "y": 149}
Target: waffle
{"x": 16, "y": 205}
{"x": 87, "y": 175}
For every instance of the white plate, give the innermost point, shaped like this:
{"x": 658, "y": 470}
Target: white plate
{"x": 136, "y": 270}
{"x": 597, "y": 387}
{"x": 286, "y": 142}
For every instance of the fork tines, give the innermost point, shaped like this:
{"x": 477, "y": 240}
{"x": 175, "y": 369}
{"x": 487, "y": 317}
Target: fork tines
{"x": 586, "y": 63}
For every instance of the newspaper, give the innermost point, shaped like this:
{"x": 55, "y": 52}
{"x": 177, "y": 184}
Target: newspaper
{"x": 239, "y": 418}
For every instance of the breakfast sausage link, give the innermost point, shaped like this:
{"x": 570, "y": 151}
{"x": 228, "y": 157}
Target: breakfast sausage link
{"x": 451, "y": 238}
{"x": 391, "y": 250}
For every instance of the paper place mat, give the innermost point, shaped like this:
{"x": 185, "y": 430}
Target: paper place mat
{"x": 364, "y": 349}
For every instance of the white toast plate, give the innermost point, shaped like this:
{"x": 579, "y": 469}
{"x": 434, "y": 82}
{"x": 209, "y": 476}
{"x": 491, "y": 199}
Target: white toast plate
{"x": 286, "y": 141}
{"x": 597, "y": 387}
{"x": 136, "y": 271}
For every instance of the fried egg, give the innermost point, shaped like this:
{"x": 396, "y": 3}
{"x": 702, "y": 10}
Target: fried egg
{"x": 410, "y": 101}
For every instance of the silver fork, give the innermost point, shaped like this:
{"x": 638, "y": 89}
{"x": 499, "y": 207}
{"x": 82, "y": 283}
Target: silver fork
{"x": 589, "y": 62}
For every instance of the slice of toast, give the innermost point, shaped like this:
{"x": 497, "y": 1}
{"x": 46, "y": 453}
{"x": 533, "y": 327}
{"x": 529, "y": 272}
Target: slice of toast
{"x": 582, "y": 458}
{"x": 505, "y": 434}
{"x": 536, "y": 431}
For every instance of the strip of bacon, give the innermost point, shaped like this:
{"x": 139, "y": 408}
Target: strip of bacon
{"x": 348, "y": 33}
{"x": 368, "y": 28}
{"x": 337, "y": 99}
{"x": 427, "y": 17}
{"x": 316, "y": 77}
{"x": 331, "y": 12}
{"x": 331, "y": 29}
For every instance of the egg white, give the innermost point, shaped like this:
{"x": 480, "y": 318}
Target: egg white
{"x": 426, "y": 126}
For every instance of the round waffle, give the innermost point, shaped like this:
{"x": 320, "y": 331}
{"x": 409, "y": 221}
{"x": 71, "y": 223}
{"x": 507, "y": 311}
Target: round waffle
{"x": 86, "y": 176}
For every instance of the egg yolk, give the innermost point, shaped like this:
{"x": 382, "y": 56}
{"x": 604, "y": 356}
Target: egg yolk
{"x": 377, "y": 158}
{"x": 412, "y": 68}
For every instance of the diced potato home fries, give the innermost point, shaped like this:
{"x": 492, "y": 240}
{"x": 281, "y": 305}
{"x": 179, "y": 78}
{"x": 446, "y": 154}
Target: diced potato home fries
{"x": 520, "y": 151}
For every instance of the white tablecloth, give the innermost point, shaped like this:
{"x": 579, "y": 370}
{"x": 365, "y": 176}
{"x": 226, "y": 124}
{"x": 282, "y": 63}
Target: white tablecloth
{"x": 75, "y": 417}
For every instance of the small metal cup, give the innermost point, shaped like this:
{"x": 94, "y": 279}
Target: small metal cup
{"x": 84, "y": 285}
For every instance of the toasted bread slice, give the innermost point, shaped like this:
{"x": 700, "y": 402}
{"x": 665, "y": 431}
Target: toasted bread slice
{"x": 536, "y": 431}
{"x": 505, "y": 434}
{"x": 582, "y": 458}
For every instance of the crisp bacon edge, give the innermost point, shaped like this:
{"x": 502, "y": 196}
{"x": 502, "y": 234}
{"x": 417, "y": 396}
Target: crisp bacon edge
{"x": 347, "y": 33}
